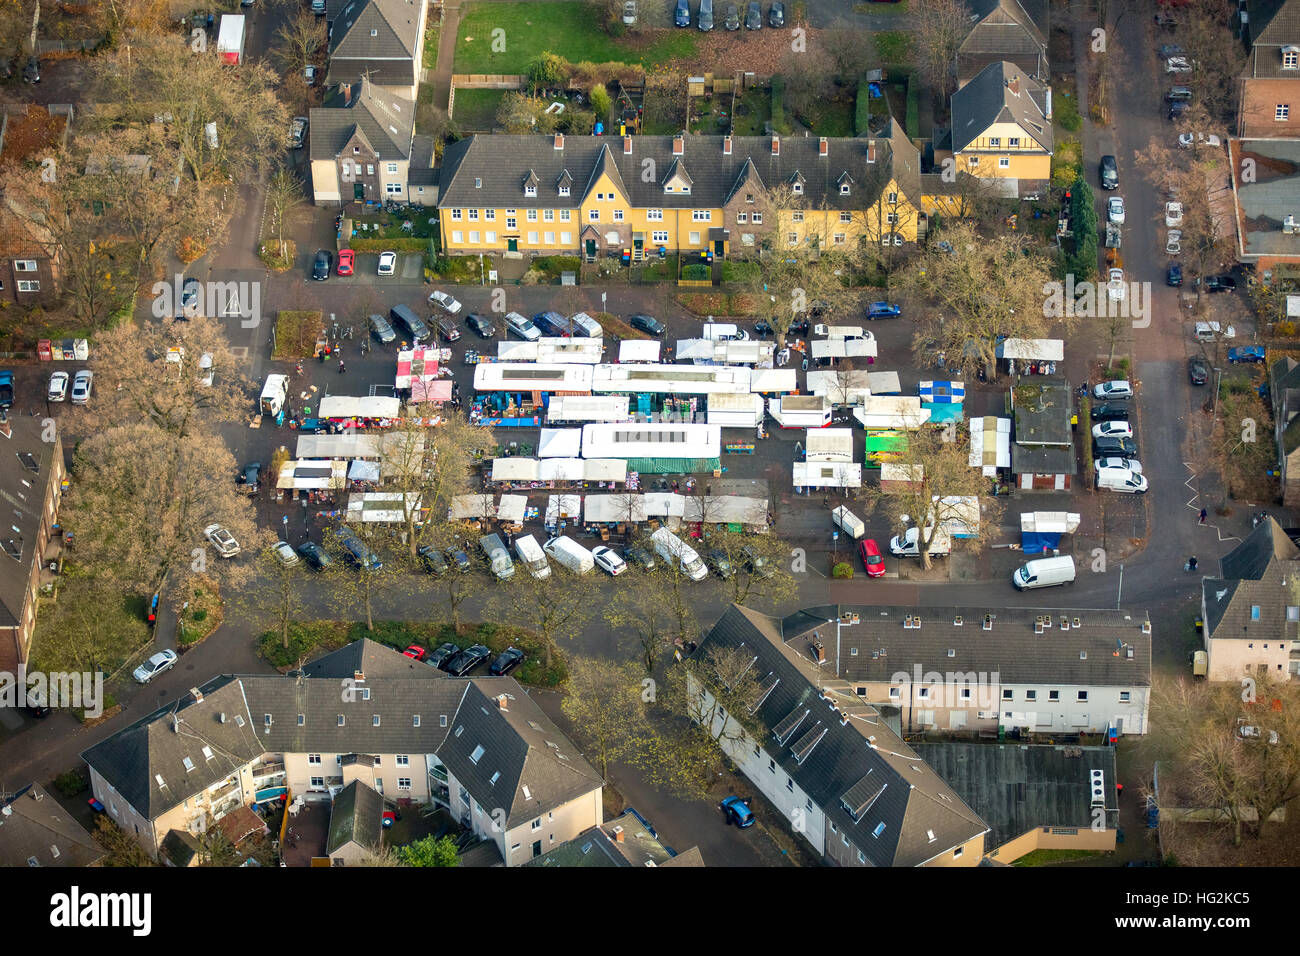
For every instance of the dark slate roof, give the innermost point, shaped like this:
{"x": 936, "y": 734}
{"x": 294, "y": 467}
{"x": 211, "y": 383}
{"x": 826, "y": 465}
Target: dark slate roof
{"x": 1264, "y": 545}
{"x": 373, "y": 660}
{"x": 921, "y": 815}
{"x": 1018, "y": 788}
{"x": 502, "y": 161}
{"x": 376, "y": 38}
{"x": 33, "y": 826}
{"x": 421, "y": 171}
{"x": 1044, "y": 460}
{"x": 1272, "y": 25}
{"x": 599, "y": 847}
{"x": 1284, "y": 386}
{"x": 24, "y": 492}
{"x": 179, "y": 848}
{"x": 1262, "y": 572}
{"x": 522, "y": 748}
{"x": 1011, "y": 648}
{"x": 385, "y": 119}
{"x": 1014, "y": 30}
{"x": 356, "y": 817}
{"x": 988, "y": 99}
{"x": 1043, "y": 406}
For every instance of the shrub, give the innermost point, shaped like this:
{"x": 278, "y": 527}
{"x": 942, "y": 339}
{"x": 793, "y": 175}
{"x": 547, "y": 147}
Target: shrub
{"x": 546, "y": 71}
{"x": 71, "y": 782}
{"x": 189, "y": 249}
{"x": 600, "y": 101}
{"x": 842, "y": 570}
{"x": 862, "y": 114}
{"x": 269, "y": 251}
{"x": 695, "y": 272}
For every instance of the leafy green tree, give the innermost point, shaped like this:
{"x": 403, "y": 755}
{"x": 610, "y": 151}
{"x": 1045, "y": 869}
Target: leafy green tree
{"x": 600, "y": 101}
{"x": 546, "y": 71}
{"x": 430, "y": 851}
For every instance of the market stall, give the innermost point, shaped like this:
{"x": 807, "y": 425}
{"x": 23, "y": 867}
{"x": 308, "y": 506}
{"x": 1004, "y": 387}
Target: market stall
{"x": 562, "y": 508}
{"x": 891, "y": 412}
{"x": 511, "y": 511}
{"x": 588, "y": 408}
{"x": 745, "y": 514}
{"x": 638, "y": 350}
{"x": 846, "y": 387}
{"x": 560, "y": 443}
{"x": 736, "y": 411}
{"x": 320, "y": 475}
{"x": 514, "y": 469}
{"x": 1041, "y": 530}
{"x": 990, "y": 444}
{"x": 603, "y": 509}
{"x": 800, "y": 411}
{"x": 560, "y": 469}
{"x": 770, "y": 381}
{"x": 360, "y": 412}
{"x": 826, "y": 474}
{"x": 468, "y": 507}
{"x": 385, "y": 507}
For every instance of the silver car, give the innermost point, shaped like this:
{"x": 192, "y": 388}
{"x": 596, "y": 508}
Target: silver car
{"x": 154, "y": 666}
{"x": 81, "y": 386}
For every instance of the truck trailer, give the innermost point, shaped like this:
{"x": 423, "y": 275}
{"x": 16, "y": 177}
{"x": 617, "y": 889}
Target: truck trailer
{"x": 230, "y": 39}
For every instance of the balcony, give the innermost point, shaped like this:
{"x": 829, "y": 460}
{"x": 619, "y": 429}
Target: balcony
{"x": 267, "y": 770}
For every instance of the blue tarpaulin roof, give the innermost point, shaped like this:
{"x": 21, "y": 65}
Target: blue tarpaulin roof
{"x": 945, "y": 413}
{"x": 1036, "y": 542}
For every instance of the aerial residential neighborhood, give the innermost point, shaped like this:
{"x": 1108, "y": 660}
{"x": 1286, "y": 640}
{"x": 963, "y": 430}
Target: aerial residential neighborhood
{"x": 609, "y": 433}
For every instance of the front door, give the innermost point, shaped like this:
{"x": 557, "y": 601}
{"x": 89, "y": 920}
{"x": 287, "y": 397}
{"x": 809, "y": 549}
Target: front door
{"x": 537, "y": 848}
{"x": 512, "y": 245}
{"x": 359, "y": 192}
{"x": 591, "y": 248}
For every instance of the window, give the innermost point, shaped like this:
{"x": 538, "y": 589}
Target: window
{"x": 403, "y": 783}
{"x": 1031, "y": 695}
{"x": 891, "y": 218}
{"x": 965, "y": 693}
{"x": 1124, "y": 696}
{"x": 415, "y": 720}
{"x": 537, "y": 824}
{"x": 923, "y": 693}
{"x": 1290, "y": 58}
{"x": 365, "y": 693}
{"x": 473, "y": 236}
{"x": 548, "y": 215}
{"x": 700, "y": 215}
{"x": 834, "y": 828}
{"x": 659, "y": 236}
{"x": 838, "y": 238}
{"x": 370, "y": 169}
{"x": 489, "y": 237}
{"x": 792, "y": 237}
{"x": 600, "y": 197}
{"x": 313, "y": 760}
{"x": 1293, "y": 613}
{"x": 1082, "y": 697}
{"x": 393, "y": 189}
{"x": 742, "y": 217}
{"x": 566, "y": 215}
{"x": 511, "y": 223}
{"x": 455, "y": 215}
{"x": 532, "y": 238}
{"x": 797, "y": 189}
{"x": 24, "y": 265}
{"x": 796, "y": 215}
{"x": 530, "y": 190}
{"x": 654, "y": 215}
{"x": 695, "y": 238}
{"x": 844, "y": 189}
{"x": 1053, "y": 695}
{"x": 1282, "y": 112}
{"x": 594, "y": 215}
{"x": 403, "y": 760}
{"x": 958, "y": 852}
{"x": 473, "y": 215}
{"x": 28, "y": 285}
{"x": 564, "y": 190}
{"x": 862, "y": 857}
{"x": 1008, "y": 694}
{"x": 356, "y": 150}
{"x": 846, "y": 217}
{"x": 457, "y": 236}
{"x": 1254, "y": 612}
{"x": 392, "y": 168}
{"x": 995, "y": 142}
{"x": 549, "y": 238}
{"x": 340, "y": 720}
{"x": 789, "y": 784}
{"x": 757, "y": 218}
{"x": 1004, "y": 162}
{"x": 844, "y": 837}
{"x": 618, "y": 215}
{"x": 477, "y": 755}
{"x": 531, "y": 215}
{"x": 566, "y": 238}
{"x": 771, "y": 765}
{"x": 374, "y": 720}
{"x": 892, "y": 199}
{"x": 318, "y": 783}
{"x": 973, "y": 161}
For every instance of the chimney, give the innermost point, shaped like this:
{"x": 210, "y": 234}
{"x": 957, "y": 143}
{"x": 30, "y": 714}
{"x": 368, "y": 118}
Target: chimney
{"x": 197, "y": 695}
{"x": 346, "y": 90}
{"x": 823, "y": 147}
{"x": 726, "y": 146}
{"x": 559, "y": 141}
{"x": 627, "y": 145}
{"x": 679, "y": 145}
{"x": 618, "y": 835}
{"x": 503, "y": 702}
{"x": 776, "y": 145}
{"x": 1013, "y": 85}
{"x": 871, "y": 150}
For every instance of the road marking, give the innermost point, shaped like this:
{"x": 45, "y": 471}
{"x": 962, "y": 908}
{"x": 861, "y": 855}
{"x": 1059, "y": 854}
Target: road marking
{"x": 1195, "y": 499}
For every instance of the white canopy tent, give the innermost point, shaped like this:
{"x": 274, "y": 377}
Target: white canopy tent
{"x": 513, "y": 351}
{"x": 1049, "y": 522}
{"x": 843, "y": 348}
{"x": 891, "y": 411}
{"x": 560, "y": 443}
{"x": 672, "y": 379}
{"x": 512, "y": 508}
{"x": 560, "y": 469}
{"x": 566, "y": 507}
{"x": 827, "y": 474}
{"x": 514, "y": 469}
{"x": 339, "y": 446}
{"x": 884, "y": 383}
{"x": 727, "y": 509}
{"x": 638, "y": 350}
{"x": 696, "y": 350}
{"x": 349, "y": 406}
{"x": 386, "y": 507}
{"x": 894, "y": 473}
{"x": 962, "y": 515}
{"x": 665, "y": 504}
{"x": 767, "y": 380}
{"x": 846, "y": 387}
{"x": 1034, "y": 350}
{"x": 359, "y": 470}
{"x": 990, "y": 444}
{"x": 629, "y": 507}
{"x": 472, "y": 506}
{"x": 604, "y": 469}
{"x": 315, "y": 475}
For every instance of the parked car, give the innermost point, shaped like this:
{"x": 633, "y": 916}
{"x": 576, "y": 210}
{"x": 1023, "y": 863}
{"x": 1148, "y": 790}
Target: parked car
{"x": 481, "y": 325}
{"x": 639, "y": 556}
{"x": 458, "y": 558}
{"x": 1179, "y": 94}
{"x": 1115, "y": 210}
{"x": 1116, "y": 428}
{"x": 1118, "y": 447}
{"x": 298, "y": 132}
{"x": 154, "y": 666}
{"x": 32, "y": 70}
{"x": 1188, "y": 140}
{"x": 431, "y": 559}
{"x": 468, "y": 659}
{"x": 719, "y": 563}
{"x": 647, "y": 323}
{"x": 1247, "y": 732}
{"x": 1127, "y": 464}
{"x": 445, "y": 301}
{"x": 682, "y": 13}
{"x": 315, "y": 555}
{"x": 704, "y": 16}
{"x": 1165, "y": 50}
{"x": 403, "y": 317}
{"x": 1177, "y": 109}
{"x": 320, "y": 267}
{"x": 441, "y": 655}
{"x": 191, "y": 297}
{"x": 872, "y": 561}
{"x": 356, "y": 553}
{"x": 81, "y": 386}
{"x": 629, "y": 13}
{"x": 1178, "y": 64}
{"x": 1247, "y": 353}
{"x": 387, "y": 263}
{"x": 222, "y": 540}
{"x": 1174, "y": 243}
{"x": 522, "y": 326}
{"x": 1110, "y": 412}
{"x": 415, "y": 652}
{"x": 776, "y": 15}
{"x": 249, "y": 477}
{"x": 506, "y": 661}
{"x": 1115, "y": 389}
{"x": 607, "y": 560}
{"x": 754, "y": 16}
{"x": 1115, "y": 285}
{"x": 309, "y": 74}
{"x": 447, "y": 329}
{"x": 382, "y": 329}
{"x": 731, "y": 19}
{"x": 1174, "y": 274}
{"x": 883, "y": 310}
{"x": 1173, "y": 214}
{"x": 755, "y": 563}
{"x": 1108, "y": 173}
{"x": 737, "y": 811}
{"x": 1198, "y": 370}
{"x": 58, "y": 389}
{"x": 1221, "y": 283}
{"x": 347, "y": 259}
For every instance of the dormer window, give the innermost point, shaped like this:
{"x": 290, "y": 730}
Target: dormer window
{"x": 564, "y": 190}
{"x": 1291, "y": 57}
{"x": 893, "y": 199}
{"x": 530, "y": 190}
{"x": 797, "y": 189}
{"x": 844, "y": 189}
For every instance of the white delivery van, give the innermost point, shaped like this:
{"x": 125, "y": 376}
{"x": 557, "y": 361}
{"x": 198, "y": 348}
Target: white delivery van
{"x": 675, "y": 551}
{"x": 532, "y": 556}
{"x": 1044, "y": 572}
{"x": 583, "y": 324}
{"x": 274, "y": 394}
{"x": 908, "y": 545}
{"x": 569, "y": 554}
{"x": 497, "y": 556}
{"x": 1121, "y": 479}
{"x": 1211, "y": 331}
{"x": 719, "y": 331}
{"x": 848, "y": 522}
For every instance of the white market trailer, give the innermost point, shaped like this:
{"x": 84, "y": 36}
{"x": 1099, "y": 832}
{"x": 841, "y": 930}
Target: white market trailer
{"x": 800, "y": 411}
{"x": 736, "y": 411}
{"x": 588, "y": 408}
{"x": 230, "y": 38}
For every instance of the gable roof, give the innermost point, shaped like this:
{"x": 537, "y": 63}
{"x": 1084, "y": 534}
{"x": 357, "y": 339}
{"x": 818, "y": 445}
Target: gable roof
{"x": 27, "y": 470}
{"x": 385, "y": 121}
{"x": 375, "y": 38}
{"x": 1014, "y": 30}
{"x": 1001, "y": 93}
{"x": 1273, "y": 23}
{"x": 501, "y": 161}
{"x": 600, "y": 846}
{"x": 34, "y": 827}
{"x": 356, "y": 817}
{"x": 912, "y": 815}
{"x": 1260, "y": 580}
{"x": 1266, "y": 543}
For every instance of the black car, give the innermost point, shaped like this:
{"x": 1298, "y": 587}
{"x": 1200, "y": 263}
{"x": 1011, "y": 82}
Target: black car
{"x": 640, "y": 557}
{"x": 1175, "y": 274}
{"x": 1198, "y": 370}
{"x": 717, "y": 560}
{"x": 314, "y": 555}
{"x": 1110, "y": 447}
{"x": 755, "y": 563}
{"x": 189, "y": 296}
{"x": 776, "y": 16}
{"x": 32, "y": 70}
{"x": 321, "y": 265}
{"x": 731, "y": 19}
{"x": 1220, "y": 284}
{"x": 458, "y": 557}
{"x": 1178, "y": 109}
{"x": 481, "y": 325}
{"x": 248, "y": 477}
{"x": 754, "y": 16}
{"x": 1108, "y": 173}
{"x": 467, "y": 660}
{"x": 506, "y": 661}
{"x": 647, "y": 323}
{"x": 1110, "y": 412}
{"x": 431, "y": 559}
{"x": 442, "y": 656}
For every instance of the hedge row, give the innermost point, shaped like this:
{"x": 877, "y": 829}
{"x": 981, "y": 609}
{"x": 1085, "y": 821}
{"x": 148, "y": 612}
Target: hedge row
{"x": 387, "y": 245}
{"x": 862, "y": 114}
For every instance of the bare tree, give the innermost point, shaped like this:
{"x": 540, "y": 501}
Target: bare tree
{"x": 642, "y": 618}
{"x": 284, "y": 194}
{"x": 298, "y": 41}
{"x": 940, "y": 26}
{"x": 603, "y": 700}
{"x": 554, "y": 608}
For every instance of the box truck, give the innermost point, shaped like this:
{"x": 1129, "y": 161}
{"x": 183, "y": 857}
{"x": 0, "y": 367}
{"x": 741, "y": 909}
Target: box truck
{"x": 569, "y": 554}
{"x": 848, "y": 522}
{"x": 675, "y": 551}
{"x": 274, "y": 394}
{"x": 532, "y": 557}
{"x": 498, "y": 557}
{"x": 230, "y": 38}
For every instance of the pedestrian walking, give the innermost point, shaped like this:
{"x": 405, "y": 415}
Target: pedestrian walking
{"x": 1204, "y": 515}
{"x": 341, "y": 368}
{"x": 805, "y": 365}
{"x": 298, "y": 370}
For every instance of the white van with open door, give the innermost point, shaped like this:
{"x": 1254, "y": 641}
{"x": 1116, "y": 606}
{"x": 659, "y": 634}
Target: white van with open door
{"x": 1044, "y": 573}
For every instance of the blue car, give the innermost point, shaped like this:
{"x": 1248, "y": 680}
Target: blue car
{"x": 884, "y": 310}
{"x": 1248, "y": 353}
{"x": 682, "y": 15}
{"x": 1175, "y": 274}
{"x": 737, "y": 811}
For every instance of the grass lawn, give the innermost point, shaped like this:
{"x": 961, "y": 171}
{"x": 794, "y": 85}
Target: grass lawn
{"x": 830, "y": 118}
{"x": 476, "y": 110}
{"x": 565, "y": 29}
{"x": 894, "y": 47}
{"x": 899, "y": 7}
{"x": 431, "y": 34}
{"x": 1052, "y": 857}
{"x": 753, "y": 107}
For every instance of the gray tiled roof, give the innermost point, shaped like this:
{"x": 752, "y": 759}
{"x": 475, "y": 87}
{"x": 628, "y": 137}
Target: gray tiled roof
{"x": 34, "y": 826}
{"x": 24, "y": 492}
{"x": 916, "y": 816}
{"x": 988, "y": 99}
{"x": 375, "y": 38}
{"x": 386, "y": 120}
{"x": 356, "y": 817}
{"x": 1273, "y": 24}
{"x": 517, "y": 749}
{"x": 421, "y": 171}
{"x": 1013, "y": 30}
{"x": 600, "y": 847}
{"x": 1264, "y": 545}
{"x": 1011, "y": 648}
{"x": 1261, "y": 579}
{"x": 502, "y": 161}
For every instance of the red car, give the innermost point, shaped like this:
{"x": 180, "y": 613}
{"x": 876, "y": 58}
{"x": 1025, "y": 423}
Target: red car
{"x": 869, "y": 551}
{"x": 415, "y": 652}
{"x": 347, "y": 259}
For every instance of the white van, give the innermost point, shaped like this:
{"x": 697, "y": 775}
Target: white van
{"x": 532, "y": 556}
{"x": 1121, "y": 479}
{"x": 582, "y": 323}
{"x": 1210, "y": 331}
{"x": 569, "y": 554}
{"x": 675, "y": 551}
{"x": 719, "y": 331}
{"x": 848, "y": 522}
{"x": 1044, "y": 572}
